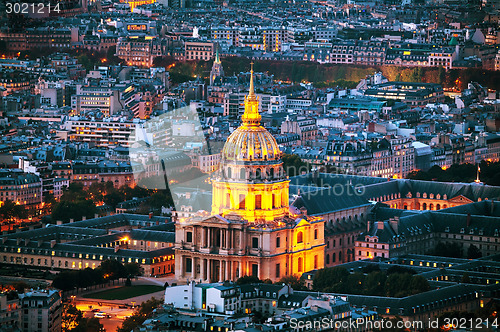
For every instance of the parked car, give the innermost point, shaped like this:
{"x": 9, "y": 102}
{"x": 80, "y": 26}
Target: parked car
{"x": 100, "y": 315}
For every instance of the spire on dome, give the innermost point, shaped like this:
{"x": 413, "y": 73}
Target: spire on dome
{"x": 217, "y": 59}
{"x": 251, "y": 92}
{"x": 251, "y": 115}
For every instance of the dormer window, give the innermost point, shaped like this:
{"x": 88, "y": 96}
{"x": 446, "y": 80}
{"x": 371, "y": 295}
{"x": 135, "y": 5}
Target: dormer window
{"x": 447, "y": 229}
{"x": 462, "y": 231}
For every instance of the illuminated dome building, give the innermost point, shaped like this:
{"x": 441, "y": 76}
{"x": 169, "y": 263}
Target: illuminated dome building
{"x": 251, "y": 230}
{"x": 251, "y": 182}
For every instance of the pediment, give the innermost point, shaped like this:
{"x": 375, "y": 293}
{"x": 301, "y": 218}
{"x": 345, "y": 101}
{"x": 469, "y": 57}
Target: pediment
{"x": 460, "y": 199}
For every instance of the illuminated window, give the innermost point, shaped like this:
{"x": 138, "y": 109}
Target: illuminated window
{"x": 300, "y": 237}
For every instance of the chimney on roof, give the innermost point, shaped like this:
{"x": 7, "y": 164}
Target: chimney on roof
{"x": 368, "y": 224}
{"x": 4, "y": 239}
{"x": 380, "y": 225}
{"x": 40, "y": 243}
{"x": 26, "y": 241}
{"x": 117, "y": 248}
{"x": 18, "y": 241}
{"x": 84, "y": 218}
{"x": 73, "y": 220}
{"x": 53, "y": 243}
{"x": 150, "y": 215}
{"x": 59, "y": 222}
{"x": 468, "y": 219}
{"x": 394, "y": 222}
{"x": 96, "y": 215}
{"x": 303, "y": 211}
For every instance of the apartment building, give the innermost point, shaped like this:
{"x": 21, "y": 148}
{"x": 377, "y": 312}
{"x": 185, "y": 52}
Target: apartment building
{"x": 100, "y": 132}
{"x": 198, "y": 50}
{"x": 41, "y": 311}
{"x": 21, "y": 188}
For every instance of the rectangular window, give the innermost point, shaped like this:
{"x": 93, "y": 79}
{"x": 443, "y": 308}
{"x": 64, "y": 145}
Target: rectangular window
{"x": 258, "y": 202}
{"x": 277, "y": 270}
{"x": 255, "y": 270}
{"x": 255, "y": 242}
{"x": 242, "y": 202}
{"x": 188, "y": 265}
{"x": 189, "y": 236}
{"x": 278, "y": 242}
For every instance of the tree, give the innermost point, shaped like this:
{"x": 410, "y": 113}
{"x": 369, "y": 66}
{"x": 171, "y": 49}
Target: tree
{"x": 142, "y": 312}
{"x": 295, "y": 282}
{"x": 374, "y": 283}
{"x": 326, "y": 279}
{"x": 20, "y": 286}
{"x": 66, "y": 210}
{"x": 293, "y": 165}
{"x": 473, "y": 252}
{"x": 89, "y": 325}
{"x": 71, "y": 317}
{"x": 112, "y": 269}
{"x": 248, "y": 280}
{"x": 133, "y": 269}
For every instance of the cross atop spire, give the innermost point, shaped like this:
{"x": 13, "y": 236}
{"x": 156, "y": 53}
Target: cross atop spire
{"x": 251, "y": 116}
{"x": 251, "y": 92}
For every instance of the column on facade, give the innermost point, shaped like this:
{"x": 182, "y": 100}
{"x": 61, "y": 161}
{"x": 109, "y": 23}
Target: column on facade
{"x": 209, "y": 272}
{"x": 203, "y": 275}
{"x": 181, "y": 264}
{"x": 203, "y": 238}
{"x": 220, "y": 271}
{"x": 209, "y": 236}
{"x": 193, "y": 267}
{"x": 228, "y": 270}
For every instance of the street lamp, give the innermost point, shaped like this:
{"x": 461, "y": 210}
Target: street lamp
{"x": 73, "y": 298}
{"x": 133, "y": 304}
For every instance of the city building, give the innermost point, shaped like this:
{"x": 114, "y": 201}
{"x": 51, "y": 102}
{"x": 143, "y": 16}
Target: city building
{"x": 41, "y": 311}
{"x": 251, "y": 231}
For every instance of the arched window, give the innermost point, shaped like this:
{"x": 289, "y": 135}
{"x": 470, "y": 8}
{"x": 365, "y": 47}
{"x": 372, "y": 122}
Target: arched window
{"x": 300, "y": 263}
{"x": 316, "y": 234}
{"x": 424, "y": 206}
{"x": 333, "y": 257}
{"x": 431, "y": 206}
{"x": 327, "y": 259}
{"x": 417, "y": 206}
{"x": 340, "y": 256}
{"x": 299, "y": 237}
{"x": 271, "y": 173}
{"x": 438, "y": 207}
{"x": 258, "y": 173}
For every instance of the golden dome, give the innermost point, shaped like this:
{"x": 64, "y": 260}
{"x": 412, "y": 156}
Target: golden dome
{"x": 251, "y": 141}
